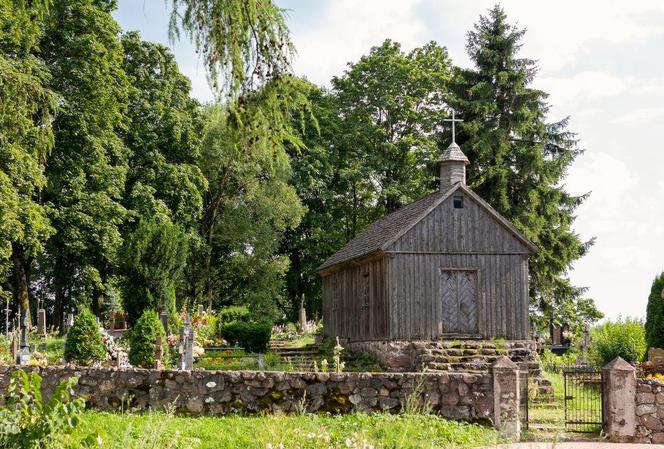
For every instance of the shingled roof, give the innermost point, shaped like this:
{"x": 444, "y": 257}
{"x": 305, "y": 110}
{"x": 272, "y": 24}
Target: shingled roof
{"x": 382, "y": 233}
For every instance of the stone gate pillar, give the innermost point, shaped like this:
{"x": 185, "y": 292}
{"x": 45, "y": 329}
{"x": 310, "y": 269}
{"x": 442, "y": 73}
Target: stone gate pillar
{"x": 506, "y": 397}
{"x": 619, "y": 391}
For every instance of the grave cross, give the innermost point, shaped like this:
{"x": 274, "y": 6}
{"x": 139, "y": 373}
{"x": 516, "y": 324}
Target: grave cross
{"x": 24, "y": 352}
{"x": 453, "y": 120}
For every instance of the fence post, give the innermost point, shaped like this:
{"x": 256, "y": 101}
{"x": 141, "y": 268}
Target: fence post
{"x": 506, "y": 397}
{"x": 619, "y": 393}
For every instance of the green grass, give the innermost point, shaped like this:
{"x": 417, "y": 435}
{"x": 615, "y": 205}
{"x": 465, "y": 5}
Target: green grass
{"x": 299, "y": 342}
{"x": 547, "y": 421}
{"x": 163, "y": 431}
{"x": 213, "y": 360}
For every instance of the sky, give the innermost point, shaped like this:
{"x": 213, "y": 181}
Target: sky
{"x": 601, "y": 64}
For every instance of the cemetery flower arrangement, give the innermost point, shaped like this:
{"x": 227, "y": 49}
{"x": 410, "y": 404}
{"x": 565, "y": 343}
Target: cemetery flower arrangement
{"x": 289, "y": 331}
{"x": 113, "y": 349}
{"x": 286, "y": 331}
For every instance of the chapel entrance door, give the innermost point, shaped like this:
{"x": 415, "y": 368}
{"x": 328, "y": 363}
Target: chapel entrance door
{"x": 459, "y": 296}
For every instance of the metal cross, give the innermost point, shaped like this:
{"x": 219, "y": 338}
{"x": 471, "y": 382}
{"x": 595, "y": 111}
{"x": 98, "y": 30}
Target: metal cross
{"x": 453, "y": 120}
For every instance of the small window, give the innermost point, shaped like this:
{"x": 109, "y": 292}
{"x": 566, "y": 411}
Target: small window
{"x": 458, "y": 202}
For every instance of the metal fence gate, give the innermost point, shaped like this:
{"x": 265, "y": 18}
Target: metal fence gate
{"x": 584, "y": 411}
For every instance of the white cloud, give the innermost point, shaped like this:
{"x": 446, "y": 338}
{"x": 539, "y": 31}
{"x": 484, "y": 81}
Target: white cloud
{"x": 346, "y": 31}
{"x": 641, "y": 116}
{"x": 587, "y": 86}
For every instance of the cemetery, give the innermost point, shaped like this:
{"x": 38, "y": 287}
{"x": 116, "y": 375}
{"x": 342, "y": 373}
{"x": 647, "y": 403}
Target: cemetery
{"x": 383, "y": 242}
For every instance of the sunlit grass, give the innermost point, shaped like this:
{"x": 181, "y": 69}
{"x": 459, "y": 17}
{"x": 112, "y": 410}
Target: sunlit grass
{"x": 310, "y": 431}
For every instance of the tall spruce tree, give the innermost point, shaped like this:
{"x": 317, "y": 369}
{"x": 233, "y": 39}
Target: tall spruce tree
{"x": 519, "y": 160}
{"x": 87, "y": 168}
{"x": 655, "y": 314}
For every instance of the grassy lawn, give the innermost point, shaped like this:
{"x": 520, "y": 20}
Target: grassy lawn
{"x": 299, "y": 342}
{"x": 159, "y": 430}
{"x": 220, "y": 360}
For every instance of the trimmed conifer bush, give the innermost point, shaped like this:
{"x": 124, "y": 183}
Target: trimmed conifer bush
{"x": 84, "y": 345}
{"x": 655, "y": 314}
{"x": 231, "y": 314}
{"x": 143, "y": 340}
{"x": 253, "y": 337}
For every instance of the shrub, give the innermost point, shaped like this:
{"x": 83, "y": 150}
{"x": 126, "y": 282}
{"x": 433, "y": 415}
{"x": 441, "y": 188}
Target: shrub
{"x": 84, "y": 345}
{"x": 623, "y": 338}
{"x": 254, "y": 337}
{"x": 143, "y": 340}
{"x": 27, "y": 422}
{"x": 229, "y": 315}
{"x": 655, "y": 314}
{"x": 553, "y": 363}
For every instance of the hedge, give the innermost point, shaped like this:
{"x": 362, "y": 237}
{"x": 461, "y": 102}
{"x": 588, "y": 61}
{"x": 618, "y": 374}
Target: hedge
{"x": 253, "y": 337}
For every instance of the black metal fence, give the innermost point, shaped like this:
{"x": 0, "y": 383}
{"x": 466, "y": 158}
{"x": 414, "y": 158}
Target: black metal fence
{"x": 584, "y": 411}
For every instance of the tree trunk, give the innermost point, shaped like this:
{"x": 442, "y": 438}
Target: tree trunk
{"x": 21, "y": 286}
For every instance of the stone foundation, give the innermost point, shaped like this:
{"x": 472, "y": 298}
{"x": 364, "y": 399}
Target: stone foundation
{"x": 452, "y": 395}
{"x": 448, "y": 355}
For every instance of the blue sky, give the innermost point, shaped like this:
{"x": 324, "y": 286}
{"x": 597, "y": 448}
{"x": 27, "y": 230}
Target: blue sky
{"x": 599, "y": 60}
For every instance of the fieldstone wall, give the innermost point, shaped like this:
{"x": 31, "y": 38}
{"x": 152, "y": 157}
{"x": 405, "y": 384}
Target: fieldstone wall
{"x": 649, "y": 411}
{"x": 199, "y": 392}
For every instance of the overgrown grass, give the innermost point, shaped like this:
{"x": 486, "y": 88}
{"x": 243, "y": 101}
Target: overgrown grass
{"x": 159, "y": 430}
{"x": 299, "y": 342}
{"x": 214, "y": 360}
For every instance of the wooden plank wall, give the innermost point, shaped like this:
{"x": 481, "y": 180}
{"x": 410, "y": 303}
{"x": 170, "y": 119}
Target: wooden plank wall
{"x": 464, "y": 238}
{"x": 416, "y": 296}
{"x": 345, "y": 313}
{"x": 466, "y": 230}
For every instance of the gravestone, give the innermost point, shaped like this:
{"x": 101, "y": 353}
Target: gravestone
{"x": 656, "y": 356}
{"x": 69, "y": 322}
{"x": 163, "y": 316}
{"x": 186, "y": 346}
{"x": 41, "y": 322}
{"x": 14, "y": 348}
{"x": 24, "y": 351}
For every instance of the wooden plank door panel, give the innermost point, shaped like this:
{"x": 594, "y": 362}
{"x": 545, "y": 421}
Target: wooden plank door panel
{"x": 459, "y": 299}
{"x": 467, "y": 300}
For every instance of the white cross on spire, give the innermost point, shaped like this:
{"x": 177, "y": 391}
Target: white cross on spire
{"x": 453, "y": 120}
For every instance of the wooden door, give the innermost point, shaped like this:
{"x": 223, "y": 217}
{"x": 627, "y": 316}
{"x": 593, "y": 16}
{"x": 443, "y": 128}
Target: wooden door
{"x": 459, "y": 296}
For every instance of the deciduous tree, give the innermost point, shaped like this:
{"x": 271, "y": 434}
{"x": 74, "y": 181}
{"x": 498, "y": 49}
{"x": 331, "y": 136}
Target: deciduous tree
{"x": 87, "y": 169}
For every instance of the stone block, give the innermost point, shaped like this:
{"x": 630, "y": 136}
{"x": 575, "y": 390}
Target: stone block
{"x": 645, "y": 409}
{"x": 645, "y": 398}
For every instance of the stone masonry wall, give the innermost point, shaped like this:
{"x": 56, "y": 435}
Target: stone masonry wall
{"x": 452, "y": 395}
{"x": 448, "y": 355}
{"x": 649, "y": 411}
